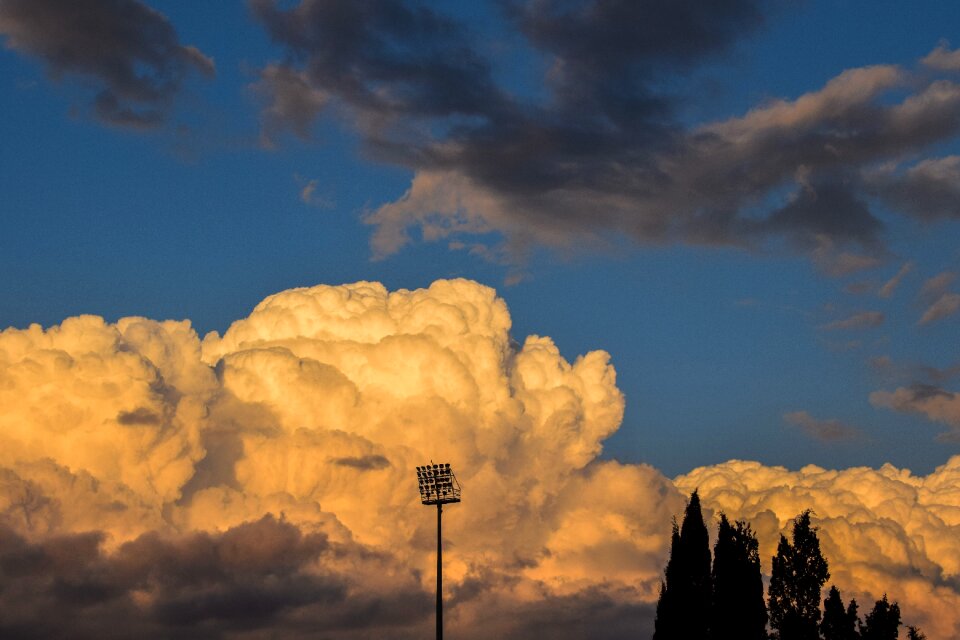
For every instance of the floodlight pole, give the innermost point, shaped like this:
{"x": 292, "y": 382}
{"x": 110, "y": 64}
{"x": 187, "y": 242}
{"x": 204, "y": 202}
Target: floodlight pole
{"x": 439, "y": 574}
{"x": 438, "y": 485}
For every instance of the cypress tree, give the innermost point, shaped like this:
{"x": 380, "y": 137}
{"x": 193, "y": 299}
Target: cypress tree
{"x": 739, "y": 612}
{"x": 913, "y": 633}
{"x": 883, "y": 622}
{"x": 684, "y": 606}
{"x": 798, "y": 573}
{"x": 852, "y": 616}
{"x": 838, "y": 623}
{"x": 665, "y": 627}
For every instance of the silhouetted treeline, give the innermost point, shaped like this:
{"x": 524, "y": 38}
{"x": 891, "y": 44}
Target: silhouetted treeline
{"x": 725, "y": 601}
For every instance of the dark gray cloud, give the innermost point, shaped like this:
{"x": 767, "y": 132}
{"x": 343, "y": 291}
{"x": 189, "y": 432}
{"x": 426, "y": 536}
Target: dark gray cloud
{"x": 126, "y": 50}
{"x": 830, "y": 210}
{"x": 381, "y": 57}
{"x": 598, "y": 149}
{"x": 595, "y": 613}
{"x": 363, "y": 463}
{"x": 258, "y": 575}
{"x": 268, "y": 578}
{"x": 928, "y": 190}
{"x": 140, "y": 415}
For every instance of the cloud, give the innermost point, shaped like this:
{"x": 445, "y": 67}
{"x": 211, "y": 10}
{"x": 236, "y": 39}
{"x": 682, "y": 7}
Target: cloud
{"x": 888, "y": 288}
{"x": 933, "y": 288}
{"x": 882, "y": 530}
{"x": 943, "y": 58}
{"x": 927, "y": 190}
{"x": 929, "y": 400}
{"x": 259, "y": 482}
{"x": 835, "y": 262}
{"x": 863, "y": 320}
{"x": 291, "y": 103}
{"x": 823, "y": 430}
{"x": 596, "y": 150}
{"x": 129, "y": 52}
{"x": 263, "y": 574}
{"x": 363, "y": 462}
{"x": 944, "y": 307}
{"x": 305, "y": 419}
{"x": 941, "y": 303}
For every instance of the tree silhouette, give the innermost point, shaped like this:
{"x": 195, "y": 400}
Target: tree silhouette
{"x": 914, "y": 633}
{"x": 798, "y": 573}
{"x": 739, "y": 612}
{"x": 837, "y": 623}
{"x": 684, "y": 605}
{"x": 666, "y": 625}
{"x": 882, "y": 623}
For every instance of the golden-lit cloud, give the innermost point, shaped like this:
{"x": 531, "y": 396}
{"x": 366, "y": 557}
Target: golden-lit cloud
{"x": 882, "y": 530}
{"x": 179, "y": 480}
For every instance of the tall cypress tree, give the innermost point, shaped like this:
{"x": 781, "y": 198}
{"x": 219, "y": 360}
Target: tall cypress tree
{"x": 739, "y": 612}
{"x": 665, "y": 627}
{"x": 798, "y": 573}
{"x": 684, "y": 606}
{"x": 883, "y": 622}
{"x": 838, "y": 623}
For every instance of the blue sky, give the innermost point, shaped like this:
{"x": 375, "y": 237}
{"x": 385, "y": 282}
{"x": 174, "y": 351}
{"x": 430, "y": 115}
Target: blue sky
{"x": 716, "y": 337}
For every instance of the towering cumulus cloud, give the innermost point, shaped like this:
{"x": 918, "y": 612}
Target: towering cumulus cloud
{"x": 260, "y": 482}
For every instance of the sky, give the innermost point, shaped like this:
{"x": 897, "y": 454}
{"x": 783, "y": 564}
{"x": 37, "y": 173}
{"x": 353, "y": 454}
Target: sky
{"x": 727, "y": 231}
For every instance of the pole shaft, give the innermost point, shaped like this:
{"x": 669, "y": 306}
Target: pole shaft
{"x": 439, "y": 575}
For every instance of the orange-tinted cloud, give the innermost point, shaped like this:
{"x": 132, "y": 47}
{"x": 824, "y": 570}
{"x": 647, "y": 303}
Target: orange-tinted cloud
{"x": 154, "y": 475}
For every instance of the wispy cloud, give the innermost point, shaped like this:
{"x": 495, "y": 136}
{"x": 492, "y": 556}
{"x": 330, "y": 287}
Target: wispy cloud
{"x": 933, "y": 288}
{"x": 863, "y": 320}
{"x": 891, "y": 285}
{"x": 831, "y": 430}
{"x": 945, "y": 306}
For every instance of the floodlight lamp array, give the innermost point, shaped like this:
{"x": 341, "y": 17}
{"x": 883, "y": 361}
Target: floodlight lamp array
{"x": 437, "y": 484}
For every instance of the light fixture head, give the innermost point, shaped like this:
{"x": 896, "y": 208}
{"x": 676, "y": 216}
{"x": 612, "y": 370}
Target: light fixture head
{"x": 437, "y": 484}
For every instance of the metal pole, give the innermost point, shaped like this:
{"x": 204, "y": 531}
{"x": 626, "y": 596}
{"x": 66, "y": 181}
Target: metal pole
{"x": 439, "y": 576}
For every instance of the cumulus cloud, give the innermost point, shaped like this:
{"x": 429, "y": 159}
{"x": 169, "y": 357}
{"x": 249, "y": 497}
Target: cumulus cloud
{"x": 302, "y": 422}
{"x": 129, "y": 52}
{"x": 943, "y": 58}
{"x": 597, "y": 149}
{"x": 259, "y": 482}
{"x": 831, "y": 430}
{"x": 883, "y": 530}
